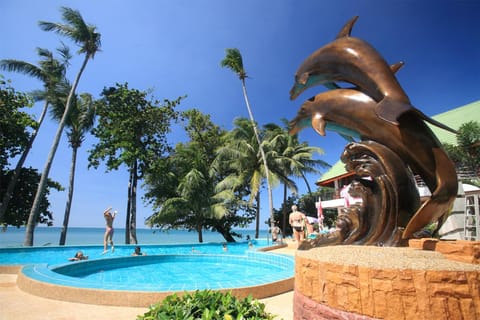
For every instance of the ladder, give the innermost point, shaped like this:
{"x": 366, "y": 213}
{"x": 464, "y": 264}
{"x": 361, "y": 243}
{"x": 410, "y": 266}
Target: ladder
{"x": 472, "y": 217}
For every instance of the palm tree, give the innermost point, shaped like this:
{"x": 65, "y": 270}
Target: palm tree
{"x": 242, "y": 152}
{"x": 79, "y": 121}
{"x": 50, "y": 71}
{"x": 291, "y": 158}
{"x": 89, "y": 41}
{"x": 233, "y": 60}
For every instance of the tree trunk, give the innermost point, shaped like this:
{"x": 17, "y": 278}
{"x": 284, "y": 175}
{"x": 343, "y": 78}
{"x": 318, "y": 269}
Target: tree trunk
{"x": 200, "y": 234}
{"x": 133, "y": 216}
{"x": 35, "y": 211}
{"x": 226, "y": 234}
{"x": 13, "y": 182}
{"x": 66, "y": 217}
{"x": 264, "y": 159}
{"x": 257, "y": 215}
{"x": 127, "y": 213}
{"x": 307, "y": 184}
{"x": 284, "y": 213}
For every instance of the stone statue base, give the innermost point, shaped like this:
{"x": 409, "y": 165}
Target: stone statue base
{"x": 442, "y": 281}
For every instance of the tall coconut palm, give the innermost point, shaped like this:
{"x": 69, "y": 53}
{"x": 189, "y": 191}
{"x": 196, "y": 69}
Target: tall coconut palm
{"x": 80, "y": 120}
{"x": 50, "y": 71}
{"x": 233, "y": 60}
{"x": 89, "y": 41}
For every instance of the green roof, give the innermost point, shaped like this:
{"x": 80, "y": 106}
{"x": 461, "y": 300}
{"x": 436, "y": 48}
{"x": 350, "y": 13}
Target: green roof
{"x": 453, "y": 118}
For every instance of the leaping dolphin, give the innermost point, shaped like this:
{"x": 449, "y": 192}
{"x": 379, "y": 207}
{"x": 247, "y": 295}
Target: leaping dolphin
{"x": 351, "y": 112}
{"x": 352, "y": 60}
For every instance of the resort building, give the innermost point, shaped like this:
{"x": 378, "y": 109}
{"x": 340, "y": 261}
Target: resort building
{"x": 464, "y": 220}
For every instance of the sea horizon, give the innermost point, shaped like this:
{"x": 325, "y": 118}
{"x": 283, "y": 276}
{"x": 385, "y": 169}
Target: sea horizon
{"x": 50, "y": 236}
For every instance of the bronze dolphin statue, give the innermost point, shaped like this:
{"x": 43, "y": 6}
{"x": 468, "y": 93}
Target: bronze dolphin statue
{"x": 353, "y": 113}
{"x": 352, "y": 60}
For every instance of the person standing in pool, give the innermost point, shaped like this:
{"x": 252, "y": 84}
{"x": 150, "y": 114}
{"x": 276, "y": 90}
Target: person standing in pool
{"x": 108, "y": 237}
{"x": 138, "y": 252}
{"x": 78, "y": 256}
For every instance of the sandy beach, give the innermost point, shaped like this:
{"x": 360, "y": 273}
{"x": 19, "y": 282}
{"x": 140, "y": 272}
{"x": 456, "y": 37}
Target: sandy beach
{"x": 17, "y": 304}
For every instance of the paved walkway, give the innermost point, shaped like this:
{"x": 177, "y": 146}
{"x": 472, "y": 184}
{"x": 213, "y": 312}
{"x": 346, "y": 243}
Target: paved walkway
{"x": 16, "y": 304}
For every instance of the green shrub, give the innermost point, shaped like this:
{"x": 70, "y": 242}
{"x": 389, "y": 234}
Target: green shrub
{"x": 207, "y": 305}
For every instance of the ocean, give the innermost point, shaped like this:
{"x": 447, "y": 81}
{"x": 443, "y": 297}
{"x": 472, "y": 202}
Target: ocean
{"x": 49, "y": 236}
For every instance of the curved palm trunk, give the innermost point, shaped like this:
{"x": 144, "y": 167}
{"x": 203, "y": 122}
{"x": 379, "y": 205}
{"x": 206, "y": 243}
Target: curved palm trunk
{"x": 264, "y": 159}
{"x": 226, "y": 234}
{"x": 307, "y": 184}
{"x": 66, "y": 217}
{"x": 13, "y": 182}
{"x": 35, "y": 211}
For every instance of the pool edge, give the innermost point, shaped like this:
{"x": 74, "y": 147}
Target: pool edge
{"x": 135, "y": 298}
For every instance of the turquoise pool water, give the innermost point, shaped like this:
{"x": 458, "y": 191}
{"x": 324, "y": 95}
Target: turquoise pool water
{"x": 175, "y": 267}
{"x": 60, "y": 254}
{"x": 169, "y": 272}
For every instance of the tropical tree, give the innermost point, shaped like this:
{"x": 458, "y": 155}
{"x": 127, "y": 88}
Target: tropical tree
{"x": 86, "y": 37}
{"x": 233, "y": 60}
{"x": 14, "y": 138}
{"x": 185, "y": 188}
{"x": 290, "y": 158}
{"x": 132, "y": 131}
{"x": 50, "y": 71}
{"x": 466, "y": 154}
{"x": 80, "y": 121}
{"x": 14, "y": 128}
{"x": 242, "y": 152}
{"x": 18, "y": 211}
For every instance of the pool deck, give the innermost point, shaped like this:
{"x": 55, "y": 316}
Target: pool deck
{"x": 15, "y": 303}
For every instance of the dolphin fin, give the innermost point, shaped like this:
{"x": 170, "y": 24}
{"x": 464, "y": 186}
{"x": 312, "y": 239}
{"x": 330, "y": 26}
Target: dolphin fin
{"x": 397, "y": 66}
{"x": 347, "y": 28}
{"x": 347, "y": 137}
{"x": 390, "y": 110}
{"x": 332, "y": 85}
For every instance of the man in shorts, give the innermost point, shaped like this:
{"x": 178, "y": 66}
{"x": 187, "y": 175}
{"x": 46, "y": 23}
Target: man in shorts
{"x": 297, "y": 221}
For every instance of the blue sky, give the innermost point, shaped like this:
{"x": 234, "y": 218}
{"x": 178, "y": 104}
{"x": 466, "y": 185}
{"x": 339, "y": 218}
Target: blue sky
{"x": 175, "y": 48}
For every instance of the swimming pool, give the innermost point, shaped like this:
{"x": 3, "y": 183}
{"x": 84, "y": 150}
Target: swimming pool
{"x": 53, "y": 255}
{"x": 110, "y": 278}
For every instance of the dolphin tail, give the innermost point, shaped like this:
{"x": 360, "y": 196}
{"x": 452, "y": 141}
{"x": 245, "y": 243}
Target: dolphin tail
{"x": 347, "y": 28}
{"x": 442, "y": 197}
{"x": 435, "y": 122}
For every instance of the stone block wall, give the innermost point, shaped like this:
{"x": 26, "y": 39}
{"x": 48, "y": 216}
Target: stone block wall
{"x": 361, "y": 282}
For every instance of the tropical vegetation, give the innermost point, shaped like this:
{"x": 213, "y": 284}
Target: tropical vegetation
{"x": 88, "y": 39}
{"x": 207, "y": 305}
{"x": 211, "y": 181}
{"x": 234, "y": 61}
{"x": 466, "y": 154}
{"x": 16, "y": 127}
{"x": 51, "y": 72}
{"x": 132, "y": 131}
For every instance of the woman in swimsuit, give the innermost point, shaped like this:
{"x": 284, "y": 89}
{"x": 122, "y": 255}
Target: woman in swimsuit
{"x": 108, "y": 237}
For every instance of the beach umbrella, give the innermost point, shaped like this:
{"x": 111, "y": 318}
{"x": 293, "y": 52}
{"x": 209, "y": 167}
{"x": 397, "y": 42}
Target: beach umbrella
{"x": 312, "y": 220}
